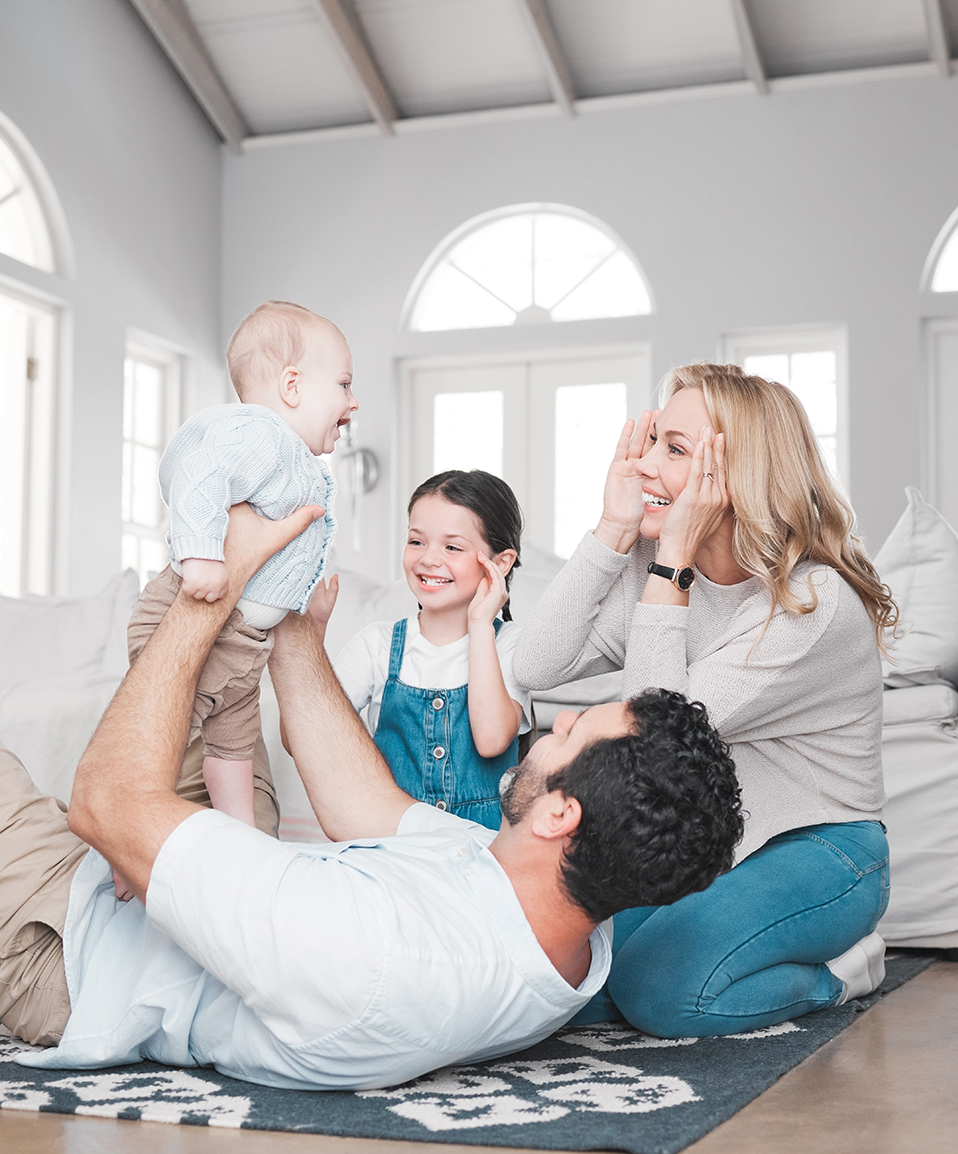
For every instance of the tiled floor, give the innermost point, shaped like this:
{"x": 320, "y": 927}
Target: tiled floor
{"x": 887, "y": 1085}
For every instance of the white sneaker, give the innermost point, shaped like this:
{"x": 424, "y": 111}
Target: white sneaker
{"x": 861, "y": 969}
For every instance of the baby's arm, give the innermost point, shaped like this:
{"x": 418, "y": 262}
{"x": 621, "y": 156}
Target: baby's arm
{"x": 494, "y": 717}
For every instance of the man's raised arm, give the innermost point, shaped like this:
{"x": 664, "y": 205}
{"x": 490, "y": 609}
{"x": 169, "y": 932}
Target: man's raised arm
{"x": 124, "y": 802}
{"x": 350, "y": 786}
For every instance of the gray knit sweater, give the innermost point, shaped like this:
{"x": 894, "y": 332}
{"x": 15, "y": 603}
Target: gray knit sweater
{"x": 802, "y": 710}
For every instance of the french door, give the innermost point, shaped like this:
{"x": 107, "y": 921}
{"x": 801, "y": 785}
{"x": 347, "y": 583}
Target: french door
{"x": 547, "y": 423}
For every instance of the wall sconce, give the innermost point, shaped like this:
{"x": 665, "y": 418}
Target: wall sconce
{"x": 361, "y": 473}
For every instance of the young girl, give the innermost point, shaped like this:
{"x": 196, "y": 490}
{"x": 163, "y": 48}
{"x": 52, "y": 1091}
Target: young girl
{"x": 444, "y": 707}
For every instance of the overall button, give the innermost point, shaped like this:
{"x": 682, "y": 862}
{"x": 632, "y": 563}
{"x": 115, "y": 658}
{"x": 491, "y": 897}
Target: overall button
{"x": 438, "y": 752}
{"x": 440, "y": 804}
{"x": 437, "y": 703}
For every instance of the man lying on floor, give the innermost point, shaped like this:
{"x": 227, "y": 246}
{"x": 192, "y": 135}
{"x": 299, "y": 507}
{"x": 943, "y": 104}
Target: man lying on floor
{"x": 418, "y": 940}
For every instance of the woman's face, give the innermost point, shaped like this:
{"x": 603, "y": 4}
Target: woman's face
{"x": 664, "y": 467}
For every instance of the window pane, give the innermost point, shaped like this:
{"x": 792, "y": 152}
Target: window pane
{"x": 615, "y": 289}
{"x": 499, "y": 257}
{"x": 589, "y": 419}
{"x": 814, "y": 383}
{"x": 945, "y": 279}
{"x": 128, "y": 370}
{"x": 23, "y": 230}
{"x": 130, "y": 552}
{"x": 468, "y": 432}
{"x": 153, "y": 557}
{"x": 16, "y": 233}
{"x": 126, "y": 493}
{"x": 773, "y": 367}
{"x": 147, "y": 404}
{"x": 146, "y": 503}
{"x": 450, "y": 300}
{"x": 566, "y": 252}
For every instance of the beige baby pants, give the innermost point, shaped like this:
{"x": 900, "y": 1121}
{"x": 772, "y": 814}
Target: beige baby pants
{"x": 38, "y": 858}
{"x": 226, "y": 706}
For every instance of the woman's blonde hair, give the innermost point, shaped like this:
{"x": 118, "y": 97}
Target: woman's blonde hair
{"x": 787, "y": 507}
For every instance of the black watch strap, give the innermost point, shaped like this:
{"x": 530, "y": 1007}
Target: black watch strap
{"x": 683, "y": 579}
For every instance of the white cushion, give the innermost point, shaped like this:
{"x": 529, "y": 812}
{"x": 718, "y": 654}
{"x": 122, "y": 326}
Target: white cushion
{"x": 919, "y": 704}
{"x": 920, "y": 563}
{"x": 57, "y": 637}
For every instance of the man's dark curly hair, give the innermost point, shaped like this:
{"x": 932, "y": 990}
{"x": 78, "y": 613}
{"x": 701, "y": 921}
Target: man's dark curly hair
{"x": 661, "y": 809}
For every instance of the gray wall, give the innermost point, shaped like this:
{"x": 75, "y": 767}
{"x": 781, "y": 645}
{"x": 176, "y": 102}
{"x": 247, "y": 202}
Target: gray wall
{"x": 137, "y": 169}
{"x": 813, "y": 206}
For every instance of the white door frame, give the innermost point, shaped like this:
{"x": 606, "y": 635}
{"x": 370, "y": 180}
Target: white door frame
{"x": 407, "y": 366}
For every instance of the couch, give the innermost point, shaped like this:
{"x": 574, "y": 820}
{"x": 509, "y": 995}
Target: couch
{"x": 62, "y": 658}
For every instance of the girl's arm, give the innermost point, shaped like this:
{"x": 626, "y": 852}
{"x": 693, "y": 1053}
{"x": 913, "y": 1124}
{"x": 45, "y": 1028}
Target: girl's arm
{"x": 494, "y": 717}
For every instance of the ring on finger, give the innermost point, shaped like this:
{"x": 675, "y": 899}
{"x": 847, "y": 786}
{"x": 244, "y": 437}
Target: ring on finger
{"x": 709, "y": 475}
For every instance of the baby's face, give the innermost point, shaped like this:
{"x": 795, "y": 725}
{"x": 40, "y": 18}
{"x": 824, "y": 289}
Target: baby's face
{"x": 326, "y": 392}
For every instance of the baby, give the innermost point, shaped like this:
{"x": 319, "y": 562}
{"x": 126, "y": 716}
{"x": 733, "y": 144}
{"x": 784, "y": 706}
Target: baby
{"x": 292, "y": 371}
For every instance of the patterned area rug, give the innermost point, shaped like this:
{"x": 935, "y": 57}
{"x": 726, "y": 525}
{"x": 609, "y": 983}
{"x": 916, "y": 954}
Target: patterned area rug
{"x": 601, "y": 1087}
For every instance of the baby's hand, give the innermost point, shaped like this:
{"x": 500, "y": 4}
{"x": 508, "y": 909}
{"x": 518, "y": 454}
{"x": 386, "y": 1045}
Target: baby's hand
{"x": 123, "y": 889}
{"x": 321, "y": 605}
{"x": 204, "y": 580}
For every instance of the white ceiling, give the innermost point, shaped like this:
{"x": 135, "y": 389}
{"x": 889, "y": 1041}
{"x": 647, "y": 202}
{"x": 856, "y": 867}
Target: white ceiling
{"x": 277, "y": 66}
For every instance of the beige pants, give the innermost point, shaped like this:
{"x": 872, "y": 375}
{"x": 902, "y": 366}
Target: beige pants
{"x": 226, "y": 706}
{"x": 38, "y": 858}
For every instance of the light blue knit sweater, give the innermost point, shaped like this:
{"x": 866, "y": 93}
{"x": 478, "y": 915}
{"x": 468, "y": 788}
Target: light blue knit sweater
{"x": 234, "y": 453}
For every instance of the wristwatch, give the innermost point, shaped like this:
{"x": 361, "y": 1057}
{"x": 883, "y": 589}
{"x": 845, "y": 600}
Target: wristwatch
{"x": 683, "y": 579}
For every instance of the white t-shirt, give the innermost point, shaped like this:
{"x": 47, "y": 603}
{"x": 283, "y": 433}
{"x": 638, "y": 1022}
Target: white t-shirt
{"x": 351, "y": 965}
{"x": 363, "y": 666}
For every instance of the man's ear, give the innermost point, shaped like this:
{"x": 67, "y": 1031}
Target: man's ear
{"x": 556, "y": 816}
{"x": 289, "y": 390}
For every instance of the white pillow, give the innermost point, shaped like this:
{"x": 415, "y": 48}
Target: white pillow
{"x": 44, "y": 637}
{"x": 920, "y": 563}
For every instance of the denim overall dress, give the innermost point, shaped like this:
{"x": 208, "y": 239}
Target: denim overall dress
{"x": 425, "y": 736}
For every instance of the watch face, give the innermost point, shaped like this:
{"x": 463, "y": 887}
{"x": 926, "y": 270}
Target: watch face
{"x": 685, "y": 579}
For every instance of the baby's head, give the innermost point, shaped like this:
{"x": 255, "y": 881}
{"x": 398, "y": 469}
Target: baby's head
{"x": 298, "y": 364}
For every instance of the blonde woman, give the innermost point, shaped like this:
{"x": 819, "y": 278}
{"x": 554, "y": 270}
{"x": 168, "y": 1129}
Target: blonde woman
{"x": 725, "y": 567}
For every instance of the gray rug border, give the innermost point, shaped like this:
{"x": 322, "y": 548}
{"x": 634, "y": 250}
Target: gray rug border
{"x": 663, "y": 1133}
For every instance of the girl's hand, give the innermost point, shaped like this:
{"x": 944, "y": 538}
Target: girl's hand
{"x": 321, "y": 605}
{"x": 491, "y": 595}
{"x": 701, "y": 506}
{"x": 622, "y": 507}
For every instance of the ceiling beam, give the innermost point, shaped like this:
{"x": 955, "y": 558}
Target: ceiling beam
{"x": 751, "y": 57}
{"x": 939, "y": 50}
{"x": 346, "y": 31}
{"x": 553, "y": 58}
{"x": 175, "y": 32}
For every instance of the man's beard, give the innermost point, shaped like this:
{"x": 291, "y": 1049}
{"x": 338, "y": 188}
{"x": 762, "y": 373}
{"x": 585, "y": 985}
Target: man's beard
{"x": 522, "y": 789}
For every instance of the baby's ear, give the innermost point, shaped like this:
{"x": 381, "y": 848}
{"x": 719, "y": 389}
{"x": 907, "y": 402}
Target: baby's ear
{"x": 289, "y": 390}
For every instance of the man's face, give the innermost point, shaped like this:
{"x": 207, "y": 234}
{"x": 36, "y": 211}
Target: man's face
{"x": 571, "y": 733}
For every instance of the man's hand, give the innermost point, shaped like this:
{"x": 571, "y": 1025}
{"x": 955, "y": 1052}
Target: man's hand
{"x": 251, "y": 540}
{"x": 204, "y": 580}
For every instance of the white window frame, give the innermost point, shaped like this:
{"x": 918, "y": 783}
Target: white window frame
{"x": 407, "y": 368}
{"x": 45, "y": 431}
{"x": 476, "y": 224}
{"x": 147, "y": 349}
{"x": 736, "y": 346}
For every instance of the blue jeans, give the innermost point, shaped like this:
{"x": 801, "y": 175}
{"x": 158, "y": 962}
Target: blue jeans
{"x": 750, "y": 950}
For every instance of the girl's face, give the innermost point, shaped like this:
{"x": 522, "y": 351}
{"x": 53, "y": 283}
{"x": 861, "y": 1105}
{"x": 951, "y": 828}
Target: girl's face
{"x": 441, "y": 559}
{"x": 664, "y": 466}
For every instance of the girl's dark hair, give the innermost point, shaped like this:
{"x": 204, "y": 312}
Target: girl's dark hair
{"x": 491, "y": 500}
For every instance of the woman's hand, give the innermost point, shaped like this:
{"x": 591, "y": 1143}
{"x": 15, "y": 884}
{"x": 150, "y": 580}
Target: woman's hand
{"x": 322, "y": 603}
{"x": 701, "y": 506}
{"x": 622, "y": 506}
{"x": 490, "y": 596}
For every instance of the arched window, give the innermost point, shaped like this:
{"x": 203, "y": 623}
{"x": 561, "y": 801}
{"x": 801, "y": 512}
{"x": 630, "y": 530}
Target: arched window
{"x": 940, "y": 274}
{"x": 32, "y": 232}
{"x": 24, "y": 234}
{"x": 526, "y": 264}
